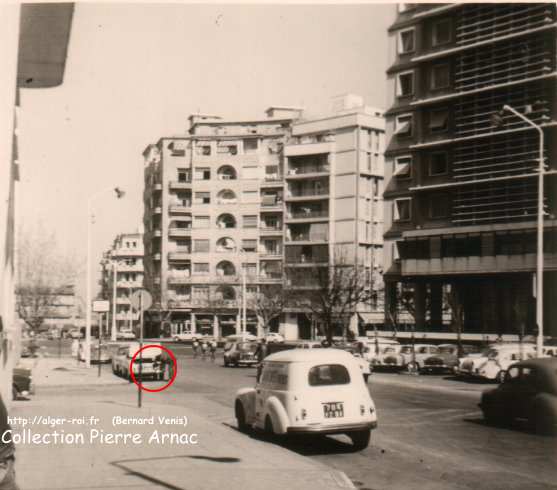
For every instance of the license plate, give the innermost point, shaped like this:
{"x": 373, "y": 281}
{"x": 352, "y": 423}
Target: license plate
{"x": 333, "y": 410}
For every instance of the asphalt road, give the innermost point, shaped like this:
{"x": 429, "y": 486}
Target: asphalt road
{"x": 425, "y": 440}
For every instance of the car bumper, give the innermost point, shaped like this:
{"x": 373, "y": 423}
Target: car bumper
{"x": 247, "y": 362}
{"x": 332, "y": 429}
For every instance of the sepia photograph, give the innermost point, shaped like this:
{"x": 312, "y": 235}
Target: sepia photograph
{"x": 278, "y": 244}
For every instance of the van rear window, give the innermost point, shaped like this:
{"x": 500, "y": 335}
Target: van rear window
{"x": 328, "y": 374}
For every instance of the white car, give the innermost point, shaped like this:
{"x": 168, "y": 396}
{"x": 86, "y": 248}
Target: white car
{"x": 183, "y": 336}
{"x": 376, "y": 348}
{"x": 151, "y": 365}
{"x": 493, "y": 363}
{"x": 274, "y": 337}
{"x": 125, "y": 335}
{"x": 315, "y": 391}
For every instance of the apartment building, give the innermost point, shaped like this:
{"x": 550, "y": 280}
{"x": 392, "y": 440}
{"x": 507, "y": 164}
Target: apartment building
{"x": 122, "y": 274}
{"x": 333, "y": 202}
{"x": 461, "y": 176}
{"x": 213, "y": 213}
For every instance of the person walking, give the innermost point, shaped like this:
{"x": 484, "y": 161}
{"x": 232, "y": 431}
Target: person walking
{"x": 204, "y": 350}
{"x": 261, "y": 353}
{"x": 195, "y": 347}
{"x": 7, "y": 452}
{"x": 213, "y": 349}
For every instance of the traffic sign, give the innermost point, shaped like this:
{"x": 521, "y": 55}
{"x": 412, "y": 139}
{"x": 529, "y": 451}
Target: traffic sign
{"x": 142, "y": 298}
{"x": 101, "y": 306}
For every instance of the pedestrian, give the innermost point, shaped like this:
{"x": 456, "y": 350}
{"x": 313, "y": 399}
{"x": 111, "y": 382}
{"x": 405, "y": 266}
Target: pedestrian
{"x": 7, "y": 453}
{"x": 195, "y": 347}
{"x": 213, "y": 348}
{"x": 75, "y": 347}
{"x": 260, "y": 353}
{"x": 204, "y": 349}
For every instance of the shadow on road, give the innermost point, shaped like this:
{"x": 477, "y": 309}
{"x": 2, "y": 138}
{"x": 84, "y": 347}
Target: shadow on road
{"x": 473, "y": 381}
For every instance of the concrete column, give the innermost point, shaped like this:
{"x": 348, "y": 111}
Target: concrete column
{"x": 193, "y": 323}
{"x": 419, "y": 305}
{"x": 436, "y": 306}
{"x": 216, "y": 326}
{"x": 390, "y": 305}
{"x": 238, "y": 324}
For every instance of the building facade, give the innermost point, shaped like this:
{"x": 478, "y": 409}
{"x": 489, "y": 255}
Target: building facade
{"x": 214, "y": 212}
{"x": 258, "y": 197}
{"x": 333, "y": 202}
{"x": 461, "y": 175}
{"x": 122, "y": 274}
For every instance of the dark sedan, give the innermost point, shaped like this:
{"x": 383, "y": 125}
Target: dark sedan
{"x": 529, "y": 393}
{"x": 446, "y": 360}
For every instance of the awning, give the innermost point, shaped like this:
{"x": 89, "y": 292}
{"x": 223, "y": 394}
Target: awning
{"x": 371, "y": 317}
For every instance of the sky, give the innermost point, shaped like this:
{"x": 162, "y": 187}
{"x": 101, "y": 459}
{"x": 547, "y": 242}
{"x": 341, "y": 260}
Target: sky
{"x": 135, "y": 72}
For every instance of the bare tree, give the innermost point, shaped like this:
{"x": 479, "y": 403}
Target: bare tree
{"x": 454, "y": 300}
{"x": 41, "y": 275}
{"x": 335, "y": 293}
{"x": 268, "y": 303}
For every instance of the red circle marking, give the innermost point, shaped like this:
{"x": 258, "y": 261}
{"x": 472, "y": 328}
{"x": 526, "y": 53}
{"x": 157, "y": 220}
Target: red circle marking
{"x": 169, "y": 352}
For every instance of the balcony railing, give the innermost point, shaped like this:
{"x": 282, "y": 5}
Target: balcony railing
{"x": 180, "y": 208}
{"x": 324, "y": 191}
{"x": 308, "y": 169}
{"x": 129, "y": 284}
{"x": 308, "y": 140}
{"x": 270, "y": 229}
{"x": 308, "y": 237}
{"x": 180, "y": 255}
{"x": 308, "y": 214}
{"x": 175, "y": 278}
{"x": 179, "y": 232}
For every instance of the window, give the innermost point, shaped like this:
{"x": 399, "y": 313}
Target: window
{"x": 250, "y": 221}
{"x": 200, "y": 292}
{"x": 204, "y": 150}
{"x": 250, "y": 145}
{"x": 201, "y": 268}
{"x": 227, "y": 173}
{"x": 439, "y": 206}
{"x": 438, "y": 163}
{"x": 271, "y": 247}
{"x": 183, "y": 175}
{"x": 202, "y": 198}
{"x": 201, "y": 246}
{"x": 249, "y": 245}
{"x": 438, "y": 120}
{"x": 250, "y": 268}
{"x": 201, "y": 222}
{"x": 402, "y": 209}
{"x": 405, "y": 84}
{"x": 440, "y": 76}
{"x": 406, "y": 41}
{"x": 403, "y": 167}
{"x": 403, "y": 125}
{"x": 441, "y": 32}
{"x": 202, "y": 173}
{"x": 250, "y": 197}
{"x": 226, "y": 147}
{"x": 328, "y": 374}
{"x": 177, "y": 148}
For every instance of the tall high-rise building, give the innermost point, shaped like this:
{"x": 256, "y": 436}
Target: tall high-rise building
{"x": 462, "y": 173}
{"x": 261, "y": 197}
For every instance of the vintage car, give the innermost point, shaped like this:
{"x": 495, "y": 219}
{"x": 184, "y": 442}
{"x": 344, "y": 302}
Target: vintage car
{"x": 317, "y": 391}
{"x": 446, "y": 360}
{"x": 529, "y": 392}
{"x": 153, "y": 363}
{"x": 493, "y": 362}
{"x": 125, "y": 334}
{"x": 241, "y": 354}
{"x": 274, "y": 337}
{"x": 99, "y": 354}
{"x": 22, "y": 383}
{"x": 410, "y": 358}
{"x": 375, "y": 348}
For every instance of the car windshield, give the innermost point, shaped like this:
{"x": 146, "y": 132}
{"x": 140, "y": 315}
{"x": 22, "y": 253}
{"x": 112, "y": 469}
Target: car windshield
{"x": 407, "y": 349}
{"x": 328, "y": 374}
{"x": 247, "y": 347}
{"x": 490, "y": 353}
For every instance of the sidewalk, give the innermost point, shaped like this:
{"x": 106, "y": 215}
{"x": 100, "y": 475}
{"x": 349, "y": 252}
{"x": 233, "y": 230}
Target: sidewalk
{"x": 223, "y": 457}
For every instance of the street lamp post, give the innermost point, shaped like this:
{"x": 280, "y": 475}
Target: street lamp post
{"x": 539, "y": 252}
{"x": 114, "y": 278}
{"x": 119, "y": 194}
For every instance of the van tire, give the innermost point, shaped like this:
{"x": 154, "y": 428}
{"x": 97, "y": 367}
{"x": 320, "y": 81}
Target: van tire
{"x": 269, "y": 431}
{"x": 500, "y": 378}
{"x": 240, "y": 416}
{"x": 360, "y": 439}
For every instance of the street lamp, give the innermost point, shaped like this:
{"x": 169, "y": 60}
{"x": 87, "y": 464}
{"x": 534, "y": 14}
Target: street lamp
{"x": 243, "y": 265}
{"x": 497, "y": 119}
{"x": 119, "y": 194}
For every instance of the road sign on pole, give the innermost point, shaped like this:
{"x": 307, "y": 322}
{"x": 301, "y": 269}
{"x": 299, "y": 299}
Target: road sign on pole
{"x": 141, "y": 300}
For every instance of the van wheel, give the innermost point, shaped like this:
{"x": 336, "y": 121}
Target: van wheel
{"x": 500, "y": 378}
{"x": 366, "y": 377}
{"x": 240, "y": 417}
{"x": 360, "y": 439}
{"x": 413, "y": 367}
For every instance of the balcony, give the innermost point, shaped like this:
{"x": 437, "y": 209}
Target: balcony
{"x": 157, "y": 233}
{"x": 180, "y": 255}
{"x": 128, "y": 252}
{"x": 129, "y": 284}
{"x": 179, "y": 302}
{"x": 123, "y": 301}
{"x": 179, "y": 208}
{"x": 308, "y": 172}
{"x": 127, "y": 316}
{"x": 179, "y": 232}
{"x": 272, "y": 181}
{"x": 175, "y": 278}
{"x": 307, "y": 145}
{"x": 129, "y": 268}
{"x": 270, "y": 231}
{"x": 307, "y": 237}
{"x": 157, "y": 186}
{"x": 307, "y": 215}
{"x": 179, "y": 185}
{"x": 271, "y": 254}
{"x": 308, "y": 194}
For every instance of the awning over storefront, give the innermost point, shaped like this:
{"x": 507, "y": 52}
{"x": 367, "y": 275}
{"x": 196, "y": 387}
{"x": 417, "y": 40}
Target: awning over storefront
{"x": 372, "y": 317}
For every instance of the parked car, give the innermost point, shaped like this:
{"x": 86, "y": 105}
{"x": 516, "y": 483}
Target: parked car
{"x": 152, "y": 362}
{"x": 529, "y": 392}
{"x": 241, "y": 354}
{"x": 22, "y": 383}
{"x": 274, "y": 337}
{"x": 410, "y": 357}
{"x": 318, "y": 391}
{"x": 309, "y": 344}
{"x": 378, "y": 347}
{"x": 125, "y": 334}
{"x": 446, "y": 360}
{"x": 102, "y": 355}
{"x": 241, "y": 338}
{"x": 75, "y": 334}
{"x": 493, "y": 362}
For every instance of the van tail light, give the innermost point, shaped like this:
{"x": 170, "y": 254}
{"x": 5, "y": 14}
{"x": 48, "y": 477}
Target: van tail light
{"x": 304, "y": 413}
{"x": 362, "y": 409}
{"x": 371, "y": 409}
